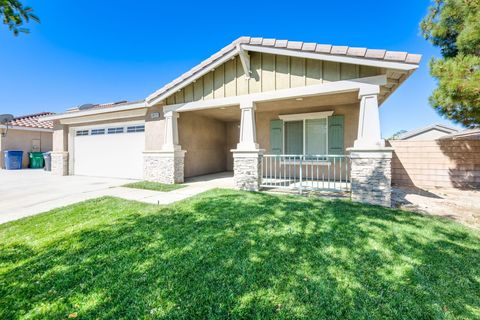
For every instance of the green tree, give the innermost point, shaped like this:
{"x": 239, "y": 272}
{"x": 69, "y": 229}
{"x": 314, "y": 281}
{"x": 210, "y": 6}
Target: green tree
{"x": 14, "y": 14}
{"x": 454, "y": 26}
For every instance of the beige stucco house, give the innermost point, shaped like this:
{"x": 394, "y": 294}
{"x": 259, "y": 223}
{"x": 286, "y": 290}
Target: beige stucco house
{"x": 258, "y": 107}
{"x": 27, "y": 134}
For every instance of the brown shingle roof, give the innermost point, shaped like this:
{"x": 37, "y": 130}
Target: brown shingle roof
{"x": 371, "y": 54}
{"x": 31, "y": 121}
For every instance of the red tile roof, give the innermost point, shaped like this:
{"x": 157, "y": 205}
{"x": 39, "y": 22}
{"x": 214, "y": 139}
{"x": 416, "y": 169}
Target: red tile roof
{"x": 31, "y": 121}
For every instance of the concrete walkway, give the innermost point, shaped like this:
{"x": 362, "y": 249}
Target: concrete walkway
{"x": 28, "y": 192}
{"x": 193, "y": 187}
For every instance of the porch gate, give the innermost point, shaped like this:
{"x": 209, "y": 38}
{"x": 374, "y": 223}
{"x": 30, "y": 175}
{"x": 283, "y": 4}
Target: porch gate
{"x": 306, "y": 172}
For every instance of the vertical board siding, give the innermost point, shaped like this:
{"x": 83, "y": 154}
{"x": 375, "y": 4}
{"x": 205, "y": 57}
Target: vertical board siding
{"x": 282, "y": 74}
{"x": 297, "y": 72}
{"x": 314, "y": 72}
{"x": 230, "y": 78}
{"x": 269, "y": 72}
{"x": 219, "y": 82}
{"x": 188, "y": 96}
{"x": 255, "y": 84}
{"x": 331, "y": 71}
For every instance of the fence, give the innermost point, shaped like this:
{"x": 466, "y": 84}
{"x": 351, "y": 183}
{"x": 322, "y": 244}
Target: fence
{"x": 436, "y": 163}
{"x": 306, "y": 172}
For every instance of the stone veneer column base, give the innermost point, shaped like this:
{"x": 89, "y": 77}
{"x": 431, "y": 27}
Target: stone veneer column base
{"x": 247, "y": 166}
{"x": 59, "y": 163}
{"x": 371, "y": 176}
{"x": 164, "y": 166}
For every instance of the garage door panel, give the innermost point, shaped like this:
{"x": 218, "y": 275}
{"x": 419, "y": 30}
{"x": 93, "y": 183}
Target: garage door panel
{"x": 110, "y": 155}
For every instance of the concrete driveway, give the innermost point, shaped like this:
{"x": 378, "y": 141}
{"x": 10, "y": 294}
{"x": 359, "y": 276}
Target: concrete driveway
{"x": 28, "y": 192}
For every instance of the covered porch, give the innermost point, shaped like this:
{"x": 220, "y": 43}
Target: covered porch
{"x": 302, "y": 141}
{"x": 299, "y": 141}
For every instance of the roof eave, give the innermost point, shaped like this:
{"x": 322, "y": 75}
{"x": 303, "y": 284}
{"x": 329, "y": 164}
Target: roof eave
{"x": 76, "y": 114}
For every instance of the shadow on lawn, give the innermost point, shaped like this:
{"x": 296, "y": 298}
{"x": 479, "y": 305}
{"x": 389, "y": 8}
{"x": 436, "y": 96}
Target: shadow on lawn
{"x": 230, "y": 254}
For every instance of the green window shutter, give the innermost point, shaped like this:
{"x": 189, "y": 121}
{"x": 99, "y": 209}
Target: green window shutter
{"x": 276, "y": 136}
{"x": 335, "y": 135}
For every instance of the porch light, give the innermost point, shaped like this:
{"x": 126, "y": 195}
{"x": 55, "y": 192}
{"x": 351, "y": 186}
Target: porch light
{"x": 4, "y": 120}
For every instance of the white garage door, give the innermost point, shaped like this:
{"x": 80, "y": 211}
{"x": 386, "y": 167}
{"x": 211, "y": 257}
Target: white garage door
{"x": 109, "y": 151}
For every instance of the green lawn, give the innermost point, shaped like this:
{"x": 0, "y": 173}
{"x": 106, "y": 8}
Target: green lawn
{"x": 155, "y": 186}
{"x": 237, "y": 255}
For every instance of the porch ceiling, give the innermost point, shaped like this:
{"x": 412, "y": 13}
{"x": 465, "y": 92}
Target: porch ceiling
{"x": 226, "y": 114}
{"x": 290, "y": 105}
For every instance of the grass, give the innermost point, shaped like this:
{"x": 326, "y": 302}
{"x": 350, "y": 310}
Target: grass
{"x": 237, "y": 255}
{"x": 155, "y": 186}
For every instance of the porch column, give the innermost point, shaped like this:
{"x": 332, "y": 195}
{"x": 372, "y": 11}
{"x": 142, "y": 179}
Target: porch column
{"x": 248, "y": 130}
{"x": 59, "y": 155}
{"x": 369, "y": 123}
{"x": 370, "y": 160}
{"x": 171, "y": 132}
{"x": 167, "y": 164}
{"x": 247, "y": 158}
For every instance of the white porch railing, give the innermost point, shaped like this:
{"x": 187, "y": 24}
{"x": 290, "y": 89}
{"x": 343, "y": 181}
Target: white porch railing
{"x": 306, "y": 172}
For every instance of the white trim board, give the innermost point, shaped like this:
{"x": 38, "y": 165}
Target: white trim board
{"x": 305, "y": 116}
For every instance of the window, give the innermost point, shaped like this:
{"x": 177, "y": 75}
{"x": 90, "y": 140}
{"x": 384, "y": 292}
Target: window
{"x": 97, "y": 131}
{"x": 307, "y": 136}
{"x": 317, "y": 133}
{"x": 139, "y": 128}
{"x": 81, "y": 133}
{"x": 115, "y": 130}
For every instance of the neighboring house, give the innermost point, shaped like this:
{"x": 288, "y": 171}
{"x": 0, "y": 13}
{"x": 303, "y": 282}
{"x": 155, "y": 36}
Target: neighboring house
{"x": 431, "y": 132}
{"x": 468, "y": 134}
{"x": 254, "y": 97}
{"x": 27, "y": 134}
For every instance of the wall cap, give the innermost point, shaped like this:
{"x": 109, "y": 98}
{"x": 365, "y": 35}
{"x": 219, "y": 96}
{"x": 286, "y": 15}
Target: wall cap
{"x": 362, "y": 153}
{"x": 165, "y": 153}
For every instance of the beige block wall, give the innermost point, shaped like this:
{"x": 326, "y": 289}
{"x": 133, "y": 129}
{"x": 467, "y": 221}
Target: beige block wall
{"x": 204, "y": 139}
{"x": 436, "y": 163}
{"x": 22, "y": 140}
{"x": 350, "y": 112}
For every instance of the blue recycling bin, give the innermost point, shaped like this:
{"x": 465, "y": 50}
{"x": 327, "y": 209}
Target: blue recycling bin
{"x": 13, "y": 159}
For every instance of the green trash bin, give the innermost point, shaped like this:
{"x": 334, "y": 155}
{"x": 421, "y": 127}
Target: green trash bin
{"x": 36, "y": 160}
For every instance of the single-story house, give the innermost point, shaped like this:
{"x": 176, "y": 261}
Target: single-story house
{"x": 27, "y": 134}
{"x": 256, "y": 107}
{"x": 468, "y": 134}
{"x": 430, "y": 132}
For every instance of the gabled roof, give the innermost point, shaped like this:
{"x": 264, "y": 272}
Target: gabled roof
{"x": 439, "y": 127}
{"x": 32, "y": 121}
{"x": 464, "y": 134}
{"x": 368, "y": 55}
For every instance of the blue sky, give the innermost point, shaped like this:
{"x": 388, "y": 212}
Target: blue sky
{"x": 103, "y": 51}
